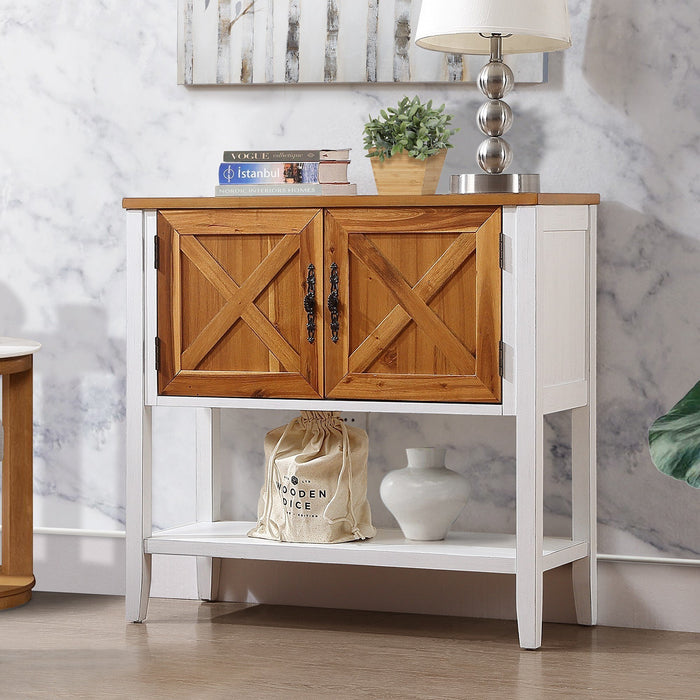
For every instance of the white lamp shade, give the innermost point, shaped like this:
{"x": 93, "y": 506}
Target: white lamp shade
{"x": 455, "y": 26}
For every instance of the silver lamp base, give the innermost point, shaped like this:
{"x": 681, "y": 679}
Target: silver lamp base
{"x": 468, "y": 183}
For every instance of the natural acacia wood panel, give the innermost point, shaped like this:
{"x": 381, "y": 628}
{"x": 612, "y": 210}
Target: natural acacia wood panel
{"x": 336, "y": 251}
{"x": 239, "y": 260}
{"x": 249, "y": 221}
{"x": 209, "y": 299}
{"x": 564, "y": 198}
{"x": 283, "y": 385}
{"x": 411, "y": 302}
{"x": 239, "y": 302}
{"x": 319, "y": 202}
{"x": 312, "y": 354}
{"x": 488, "y": 294}
{"x": 413, "y": 219}
{"x": 412, "y": 285}
{"x": 235, "y": 293}
{"x": 411, "y": 349}
{"x": 166, "y": 303}
{"x": 387, "y": 387}
{"x": 413, "y": 291}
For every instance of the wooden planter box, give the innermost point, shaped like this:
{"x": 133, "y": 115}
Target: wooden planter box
{"x": 402, "y": 174}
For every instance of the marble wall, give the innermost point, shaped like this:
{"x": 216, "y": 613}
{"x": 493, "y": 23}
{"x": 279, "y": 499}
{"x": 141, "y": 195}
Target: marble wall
{"x": 91, "y": 112}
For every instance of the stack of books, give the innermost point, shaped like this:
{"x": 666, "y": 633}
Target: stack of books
{"x": 255, "y": 173}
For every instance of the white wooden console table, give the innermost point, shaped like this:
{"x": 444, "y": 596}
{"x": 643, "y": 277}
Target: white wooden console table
{"x": 502, "y": 288}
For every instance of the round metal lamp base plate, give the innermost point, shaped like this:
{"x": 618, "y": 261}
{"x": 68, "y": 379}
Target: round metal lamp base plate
{"x": 513, "y": 183}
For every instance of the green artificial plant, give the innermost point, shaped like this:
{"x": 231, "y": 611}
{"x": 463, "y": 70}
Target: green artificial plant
{"x": 411, "y": 126}
{"x": 674, "y": 440}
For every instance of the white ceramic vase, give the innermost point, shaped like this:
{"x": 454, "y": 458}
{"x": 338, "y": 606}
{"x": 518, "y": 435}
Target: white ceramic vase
{"x": 425, "y": 497}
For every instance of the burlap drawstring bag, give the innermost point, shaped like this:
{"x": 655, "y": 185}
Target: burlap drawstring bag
{"x": 315, "y": 486}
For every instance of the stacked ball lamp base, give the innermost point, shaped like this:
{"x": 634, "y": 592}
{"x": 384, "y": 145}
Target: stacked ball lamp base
{"x": 494, "y": 119}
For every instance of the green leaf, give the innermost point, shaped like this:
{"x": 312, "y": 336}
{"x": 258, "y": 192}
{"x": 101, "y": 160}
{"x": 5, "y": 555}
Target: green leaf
{"x": 674, "y": 440}
{"x": 417, "y": 128}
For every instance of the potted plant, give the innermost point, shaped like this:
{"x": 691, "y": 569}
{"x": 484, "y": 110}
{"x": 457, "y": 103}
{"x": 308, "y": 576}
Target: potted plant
{"x": 407, "y": 146}
{"x": 674, "y": 440}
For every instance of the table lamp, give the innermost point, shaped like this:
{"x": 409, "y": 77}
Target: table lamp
{"x": 492, "y": 28}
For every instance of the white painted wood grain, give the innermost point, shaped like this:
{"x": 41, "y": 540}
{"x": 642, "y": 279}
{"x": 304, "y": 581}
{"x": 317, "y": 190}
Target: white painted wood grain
{"x": 584, "y": 455}
{"x": 458, "y": 409}
{"x": 529, "y": 434}
{"x": 562, "y": 303}
{"x": 563, "y": 217}
{"x": 138, "y": 432}
{"x": 150, "y": 306}
{"x": 560, "y": 397}
{"x": 460, "y": 551}
{"x": 208, "y": 475}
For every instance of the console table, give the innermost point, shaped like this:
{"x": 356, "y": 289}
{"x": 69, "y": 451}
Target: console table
{"x": 16, "y": 453}
{"x": 454, "y": 304}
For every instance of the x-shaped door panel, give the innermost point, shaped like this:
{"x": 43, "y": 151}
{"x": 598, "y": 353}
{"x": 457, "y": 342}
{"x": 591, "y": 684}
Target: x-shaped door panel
{"x": 412, "y": 302}
{"x": 231, "y": 289}
{"x": 240, "y": 302}
{"x": 451, "y": 306}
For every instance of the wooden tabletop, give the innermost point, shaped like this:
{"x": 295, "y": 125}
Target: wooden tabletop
{"x": 436, "y": 200}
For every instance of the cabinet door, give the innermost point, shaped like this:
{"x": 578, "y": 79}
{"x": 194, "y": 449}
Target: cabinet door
{"x": 419, "y": 292}
{"x": 231, "y": 292}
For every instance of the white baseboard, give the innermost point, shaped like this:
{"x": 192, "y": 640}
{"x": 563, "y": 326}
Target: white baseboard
{"x": 649, "y": 595}
{"x": 67, "y": 563}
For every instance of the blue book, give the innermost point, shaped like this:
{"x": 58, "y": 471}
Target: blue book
{"x": 267, "y": 173}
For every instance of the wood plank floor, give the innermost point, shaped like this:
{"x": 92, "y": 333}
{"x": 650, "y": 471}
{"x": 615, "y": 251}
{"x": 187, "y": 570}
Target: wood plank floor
{"x": 77, "y": 646}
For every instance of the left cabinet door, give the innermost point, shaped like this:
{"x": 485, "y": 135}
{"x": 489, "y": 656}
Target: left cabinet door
{"x": 235, "y": 296}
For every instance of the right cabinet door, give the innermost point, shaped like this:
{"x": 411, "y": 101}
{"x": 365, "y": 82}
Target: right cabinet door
{"x": 418, "y": 296}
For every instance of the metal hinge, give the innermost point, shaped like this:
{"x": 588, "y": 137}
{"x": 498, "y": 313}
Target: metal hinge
{"x": 501, "y": 251}
{"x": 501, "y": 357}
{"x": 157, "y": 353}
{"x": 156, "y": 252}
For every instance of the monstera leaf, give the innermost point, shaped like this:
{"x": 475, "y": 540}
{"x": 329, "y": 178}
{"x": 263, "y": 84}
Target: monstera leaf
{"x": 674, "y": 440}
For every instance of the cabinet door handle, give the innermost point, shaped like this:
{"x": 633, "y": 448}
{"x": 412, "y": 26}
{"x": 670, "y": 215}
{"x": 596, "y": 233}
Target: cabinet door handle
{"x": 310, "y": 303}
{"x": 333, "y": 303}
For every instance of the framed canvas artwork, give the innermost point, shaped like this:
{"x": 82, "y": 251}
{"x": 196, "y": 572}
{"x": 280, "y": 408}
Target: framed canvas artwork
{"x": 241, "y": 42}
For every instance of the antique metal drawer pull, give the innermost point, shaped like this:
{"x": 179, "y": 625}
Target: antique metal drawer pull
{"x": 333, "y": 303}
{"x": 310, "y": 303}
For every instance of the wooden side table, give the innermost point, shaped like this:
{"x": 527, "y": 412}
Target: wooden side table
{"x": 16, "y": 572}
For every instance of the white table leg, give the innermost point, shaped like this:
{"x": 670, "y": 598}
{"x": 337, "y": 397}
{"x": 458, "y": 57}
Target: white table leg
{"x": 138, "y": 432}
{"x": 528, "y": 574}
{"x": 584, "y": 571}
{"x": 529, "y": 433}
{"x": 138, "y": 515}
{"x": 208, "y": 433}
{"x": 584, "y": 461}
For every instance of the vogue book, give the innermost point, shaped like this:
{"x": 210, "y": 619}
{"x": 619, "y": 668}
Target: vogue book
{"x": 297, "y": 156}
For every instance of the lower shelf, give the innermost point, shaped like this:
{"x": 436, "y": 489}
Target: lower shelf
{"x": 461, "y": 551}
